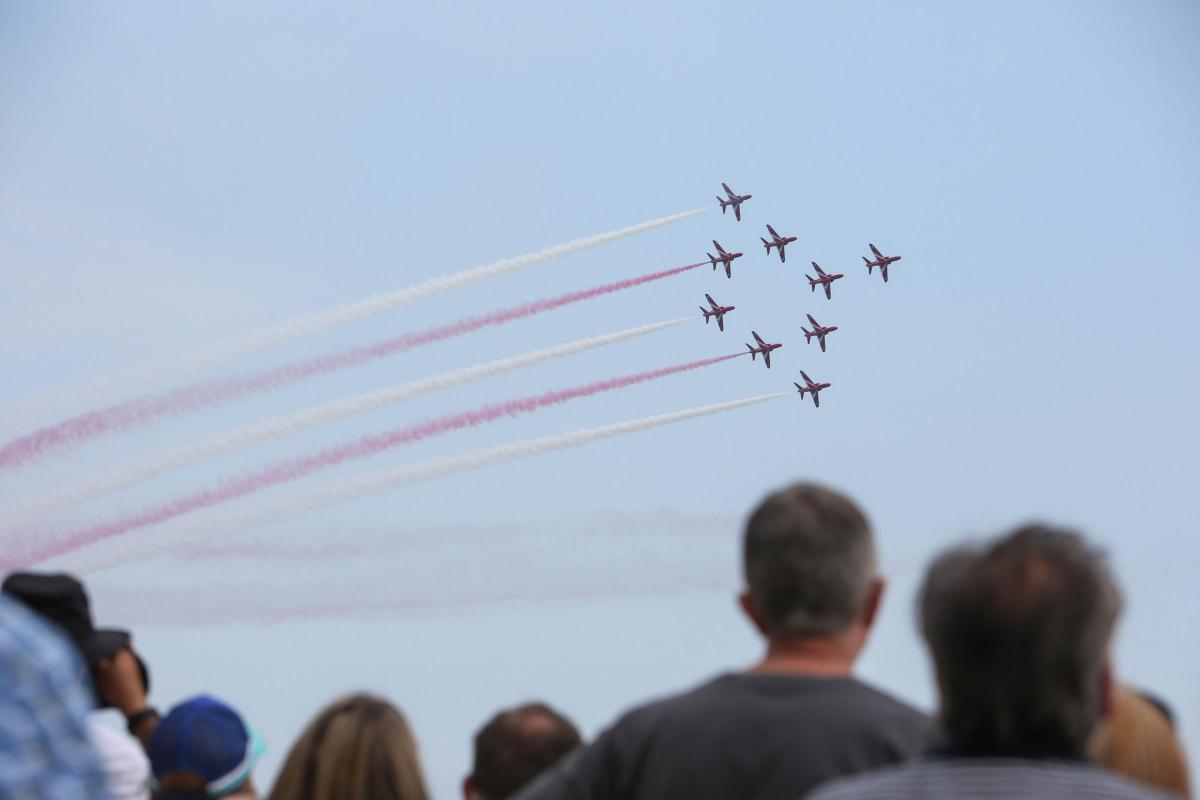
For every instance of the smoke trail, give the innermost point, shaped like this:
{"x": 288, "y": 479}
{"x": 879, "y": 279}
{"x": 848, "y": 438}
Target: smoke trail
{"x": 249, "y": 514}
{"x": 296, "y": 468}
{"x": 209, "y": 393}
{"x": 165, "y": 370}
{"x": 122, "y": 476}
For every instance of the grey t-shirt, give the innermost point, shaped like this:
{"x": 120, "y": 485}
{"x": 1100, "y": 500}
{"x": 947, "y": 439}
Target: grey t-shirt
{"x": 743, "y": 736}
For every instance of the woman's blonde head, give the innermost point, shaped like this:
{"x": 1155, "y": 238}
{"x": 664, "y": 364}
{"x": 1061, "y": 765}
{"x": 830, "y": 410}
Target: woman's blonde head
{"x": 358, "y": 748}
{"x": 1138, "y": 741}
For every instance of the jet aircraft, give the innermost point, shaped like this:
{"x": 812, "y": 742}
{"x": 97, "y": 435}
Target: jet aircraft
{"x": 764, "y": 348}
{"x": 778, "y": 242}
{"x": 734, "y": 200}
{"x": 880, "y": 261}
{"x": 817, "y": 331}
{"x": 719, "y": 311}
{"x": 824, "y": 279}
{"x": 811, "y": 387}
{"x": 722, "y": 257}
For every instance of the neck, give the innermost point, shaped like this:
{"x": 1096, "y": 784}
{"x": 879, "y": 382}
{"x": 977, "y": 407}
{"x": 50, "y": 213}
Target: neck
{"x": 828, "y": 656}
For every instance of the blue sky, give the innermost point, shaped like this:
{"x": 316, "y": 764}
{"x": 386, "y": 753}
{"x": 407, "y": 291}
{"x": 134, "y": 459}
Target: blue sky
{"x": 171, "y": 175}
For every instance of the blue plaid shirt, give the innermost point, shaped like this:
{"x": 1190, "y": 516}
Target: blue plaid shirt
{"x": 45, "y": 751}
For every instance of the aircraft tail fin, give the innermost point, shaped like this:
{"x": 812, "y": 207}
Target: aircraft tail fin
{"x": 723, "y": 204}
{"x": 753, "y": 352}
{"x": 812, "y": 283}
{"x": 766, "y": 244}
{"x": 706, "y": 314}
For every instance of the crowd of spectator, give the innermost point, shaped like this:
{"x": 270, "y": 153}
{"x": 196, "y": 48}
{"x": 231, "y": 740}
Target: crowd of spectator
{"x": 1019, "y": 630}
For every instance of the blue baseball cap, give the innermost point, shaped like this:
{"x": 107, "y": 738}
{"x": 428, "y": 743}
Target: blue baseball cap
{"x": 202, "y": 742}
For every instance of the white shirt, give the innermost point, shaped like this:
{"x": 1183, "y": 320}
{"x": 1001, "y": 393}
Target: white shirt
{"x": 126, "y": 768}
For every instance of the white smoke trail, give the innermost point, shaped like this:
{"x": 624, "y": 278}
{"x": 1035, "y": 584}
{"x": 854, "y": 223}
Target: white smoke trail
{"x": 247, "y": 514}
{"x": 122, "y": 476}
{"x": 135, "y": 378}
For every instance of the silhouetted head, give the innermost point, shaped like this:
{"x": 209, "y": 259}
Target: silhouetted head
{"x": 357, "y": 748}
{"x": 1019, "y": 631}
{"x": 514, "y": 747}
{"x": 809, "y": 564}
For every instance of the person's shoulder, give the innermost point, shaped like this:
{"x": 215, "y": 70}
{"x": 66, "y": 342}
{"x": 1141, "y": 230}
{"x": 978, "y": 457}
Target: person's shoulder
{"x": 984, "y": 778}
{"x": 883, "y": 702}
{"x": 667, "y": 706}
{"x": 876, "y": 783}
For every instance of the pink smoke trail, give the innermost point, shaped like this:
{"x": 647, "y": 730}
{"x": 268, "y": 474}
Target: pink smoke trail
{"x": 205, "y": 394}
{"x": 296, "y": 468}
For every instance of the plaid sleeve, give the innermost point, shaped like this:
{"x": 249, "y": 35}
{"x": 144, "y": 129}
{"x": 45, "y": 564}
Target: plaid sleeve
{"x": 45, "y": 750}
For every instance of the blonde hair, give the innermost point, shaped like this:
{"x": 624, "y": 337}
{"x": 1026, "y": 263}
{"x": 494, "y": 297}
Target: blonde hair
{"x": 1139, "y": 742}
{"x": 358, "y": 748}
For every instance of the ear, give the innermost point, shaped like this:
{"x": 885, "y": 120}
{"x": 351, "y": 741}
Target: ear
{"x": 874, "y": 600}
{"x": 751, "y": 610}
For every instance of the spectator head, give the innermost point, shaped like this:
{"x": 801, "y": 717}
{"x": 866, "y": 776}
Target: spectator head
{"x": 61, "y": 600}
{"x": 809, "y": 563}
{"x": 358, "y": 748}
{"x": 514, "y": 747}
{"x": 1019, "y": 631}
{"x": 202, "y": 749}
{"x": 1138, "y": 740}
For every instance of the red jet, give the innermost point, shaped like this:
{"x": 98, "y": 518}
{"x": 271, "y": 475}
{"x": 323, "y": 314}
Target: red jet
{"x": 778, "y": 242}
{"x": 817, "y": 331}
{"x": 717, "y": 310}
{"x": 763, "y": 347}
{"x": 811, "y": 387}
{"x": 734, "y": 200}
{"x": 722, "y": 257}
{"x": 880, "y": 261}
{"x": 824, "y": 279}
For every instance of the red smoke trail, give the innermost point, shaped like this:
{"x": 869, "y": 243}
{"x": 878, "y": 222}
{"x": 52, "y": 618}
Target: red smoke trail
{"x": 296, "y": 468}
{"x": 206, "y": 394}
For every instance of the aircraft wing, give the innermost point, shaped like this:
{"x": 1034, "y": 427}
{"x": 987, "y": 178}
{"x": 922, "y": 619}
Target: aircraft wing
{"x": 807, "y": 379}
{"x": 815, "y": 324}
{"x": 821, "y": 339}
{"x": 711, "y": 302}
{"x": 767, "y": 358}
{"x": 883, "y": 269}
{"x": 757, "y": 338}
{"x": 773, "y": 233}
{"x": 720, "y": 249}
{"x": 728, "y": 191}
{"x": 828, "y": 291}
{"x": 816, "y": 399}
{"x": 782, "y": 254}
{"x": 817, "y": 267}
{"x": 737, "y": 211}
{"x": 721, "y": 321}
{"x": 875, "y": 250}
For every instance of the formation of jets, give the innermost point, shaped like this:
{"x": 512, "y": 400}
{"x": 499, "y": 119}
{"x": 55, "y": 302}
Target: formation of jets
{"x": 823, "y": 279}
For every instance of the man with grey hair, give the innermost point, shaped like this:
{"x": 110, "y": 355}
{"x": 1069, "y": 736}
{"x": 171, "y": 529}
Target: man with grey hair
{"x": 793, "y": 720}
{"x": 1019, "y": 631}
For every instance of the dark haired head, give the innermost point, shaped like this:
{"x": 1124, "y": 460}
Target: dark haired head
{"x": 516, "y": 745}
{"x": 809, "y": 561}
{"x": 1019, "y": 632}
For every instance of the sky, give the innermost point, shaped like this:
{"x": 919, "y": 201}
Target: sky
{"x": 176, "y": 174}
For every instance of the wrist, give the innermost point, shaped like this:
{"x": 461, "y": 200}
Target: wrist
{"x": 139, "y": 717}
